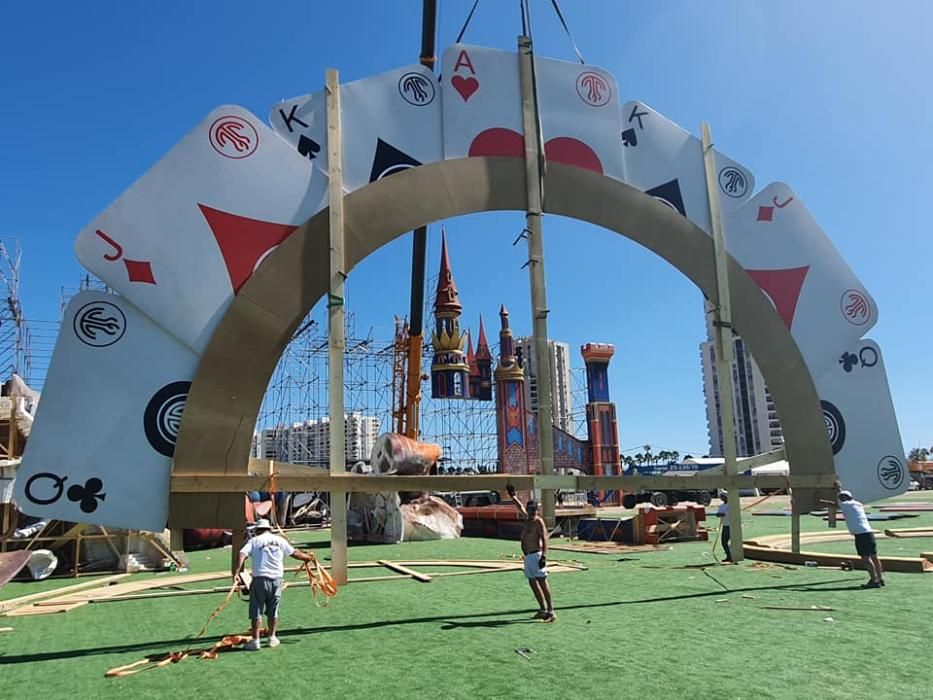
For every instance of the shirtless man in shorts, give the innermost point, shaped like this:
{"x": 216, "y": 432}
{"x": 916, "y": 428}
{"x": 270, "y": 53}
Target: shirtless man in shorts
{"x": 534, "y": 548}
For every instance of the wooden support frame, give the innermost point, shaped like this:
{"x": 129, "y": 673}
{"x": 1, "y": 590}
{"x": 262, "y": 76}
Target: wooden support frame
{"x": 293, "y": 477}
{"x": 233, "y": 374}
{"x": 534, "y": 188}
{"x": 336, "y": 340}
{"x": 722, "y": 323}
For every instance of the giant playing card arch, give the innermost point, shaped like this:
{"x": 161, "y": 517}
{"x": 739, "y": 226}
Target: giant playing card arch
{"x": 240, "y": 358}
{"x": 257, "y": 294}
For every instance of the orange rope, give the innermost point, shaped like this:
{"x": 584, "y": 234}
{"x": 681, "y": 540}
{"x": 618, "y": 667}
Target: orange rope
{"x": 320, "y": 581}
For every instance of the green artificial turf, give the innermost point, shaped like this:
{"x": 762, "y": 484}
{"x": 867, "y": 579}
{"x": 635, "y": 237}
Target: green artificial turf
{"x": 644, "y": 626}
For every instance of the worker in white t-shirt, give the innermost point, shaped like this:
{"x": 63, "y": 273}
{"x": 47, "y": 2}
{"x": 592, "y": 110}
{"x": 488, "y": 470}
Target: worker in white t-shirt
{"x": 723, "y": 514}
{"x": 265, "y": 592}
{"x": 865, "y": 545}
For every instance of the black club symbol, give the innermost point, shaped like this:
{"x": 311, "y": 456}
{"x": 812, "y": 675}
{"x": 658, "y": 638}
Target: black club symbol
{"x": 848, "y": 361}
{"x": 87, "y": 496}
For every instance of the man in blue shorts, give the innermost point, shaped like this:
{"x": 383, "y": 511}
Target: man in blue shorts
{"x": 265, "y": 592}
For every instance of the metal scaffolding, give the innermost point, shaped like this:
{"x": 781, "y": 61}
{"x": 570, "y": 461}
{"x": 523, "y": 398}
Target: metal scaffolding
{"x": 15, "y": 336}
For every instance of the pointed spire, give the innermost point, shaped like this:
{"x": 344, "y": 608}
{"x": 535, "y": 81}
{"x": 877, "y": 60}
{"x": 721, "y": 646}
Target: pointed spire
{"x": 508, "y": 364}
{"x": 471, "y": 356}
{"x": 447, "y": 299}
{"x": 482, "y": 345}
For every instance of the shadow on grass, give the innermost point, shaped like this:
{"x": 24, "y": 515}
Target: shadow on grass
{"x": 449, "y": 622}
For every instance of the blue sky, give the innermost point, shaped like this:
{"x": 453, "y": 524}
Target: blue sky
{"x": 830, "y": 97}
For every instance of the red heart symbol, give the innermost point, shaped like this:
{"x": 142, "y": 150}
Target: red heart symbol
{"x": 465, "y": 86}
{"x": 499, "y": 142}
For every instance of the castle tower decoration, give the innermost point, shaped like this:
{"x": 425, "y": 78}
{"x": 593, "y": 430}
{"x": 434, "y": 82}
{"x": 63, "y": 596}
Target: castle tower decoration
{"x": 449, "y": 368}
{"x": 471, "y": 363}
{"x": 481, "y": 368}
{"x": 601, "y": 424}
{"x": 511, "y": 416}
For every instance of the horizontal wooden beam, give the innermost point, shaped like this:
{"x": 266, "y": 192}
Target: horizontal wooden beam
{"x": 295, "y": 478}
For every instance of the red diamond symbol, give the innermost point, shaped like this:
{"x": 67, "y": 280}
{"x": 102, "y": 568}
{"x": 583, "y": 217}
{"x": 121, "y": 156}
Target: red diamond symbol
{"x": 765, "y": 213}
{"x": 139, "y": 271}
{"x": 243, "y": 242}
{"x": 783, "y": 288}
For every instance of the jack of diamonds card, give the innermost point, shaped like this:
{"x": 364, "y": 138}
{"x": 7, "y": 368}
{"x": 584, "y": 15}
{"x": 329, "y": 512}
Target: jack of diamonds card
{"x": 813, "y": 289}
{"x": 186, "y": 236}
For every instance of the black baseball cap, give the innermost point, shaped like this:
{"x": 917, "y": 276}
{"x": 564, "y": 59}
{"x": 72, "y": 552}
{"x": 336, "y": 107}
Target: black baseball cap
{"x": 532, "y": 505}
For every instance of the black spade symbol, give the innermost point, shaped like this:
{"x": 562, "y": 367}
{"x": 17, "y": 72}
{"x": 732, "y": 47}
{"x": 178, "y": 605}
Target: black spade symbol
{"x": 389, "y": 160}
{"x": 308, "y": 147}
{"x": 669, "y": 193}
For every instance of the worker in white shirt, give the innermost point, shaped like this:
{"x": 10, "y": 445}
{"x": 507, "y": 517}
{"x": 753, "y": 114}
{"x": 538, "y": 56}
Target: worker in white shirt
{"x": 723, "y": 514}
{"x": 865, "y": 545}
{"x": 268, "y": 551}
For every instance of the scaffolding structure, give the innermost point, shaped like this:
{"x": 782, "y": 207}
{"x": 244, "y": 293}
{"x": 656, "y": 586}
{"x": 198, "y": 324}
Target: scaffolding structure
{"x": 297, "y": 393}
{"x": 15, "y": 336}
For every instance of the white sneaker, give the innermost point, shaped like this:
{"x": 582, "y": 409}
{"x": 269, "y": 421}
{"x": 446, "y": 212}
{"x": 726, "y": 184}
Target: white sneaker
{"x": 274, "y": 641}
{"x": 253, "y": 645}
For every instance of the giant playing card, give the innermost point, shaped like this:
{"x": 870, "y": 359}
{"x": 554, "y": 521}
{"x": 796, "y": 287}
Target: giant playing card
{"x": 816, "y": 294}
{"x": 861, "y": 424}
{"x": 389, "y": 122}
{"x": 101, "y": 448}
{"x": 183, "y": 239}
{"x": 665, "y": 161}
{"x": 578, "y": 104}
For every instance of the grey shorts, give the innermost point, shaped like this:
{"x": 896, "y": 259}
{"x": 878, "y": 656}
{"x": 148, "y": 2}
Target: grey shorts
{"x": 264, "y": 596}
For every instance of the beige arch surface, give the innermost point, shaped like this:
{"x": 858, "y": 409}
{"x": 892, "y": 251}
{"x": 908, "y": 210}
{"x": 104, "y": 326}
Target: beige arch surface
{"x": 241, "y": 356}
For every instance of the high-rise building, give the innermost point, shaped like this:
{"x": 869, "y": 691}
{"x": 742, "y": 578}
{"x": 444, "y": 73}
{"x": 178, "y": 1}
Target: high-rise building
{"x": 561, "y": 396}
{"x": 757, "y": 428}
{"x": 308, "y": 442}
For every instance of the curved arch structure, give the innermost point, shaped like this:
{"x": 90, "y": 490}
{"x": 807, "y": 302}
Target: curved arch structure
{"x": 235, "y": 368}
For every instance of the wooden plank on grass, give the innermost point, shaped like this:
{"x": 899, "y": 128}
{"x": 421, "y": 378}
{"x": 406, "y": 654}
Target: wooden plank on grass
{"x": 908, "y": 565}
{"x": 44, "y": 609}
{"x": 402, "y": 569}
{"x": 910, "y": 532}
{"x": 57, "y": 592}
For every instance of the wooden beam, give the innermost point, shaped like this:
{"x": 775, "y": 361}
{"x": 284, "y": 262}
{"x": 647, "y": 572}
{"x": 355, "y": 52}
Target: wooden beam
{"x": 47, "y": 610}
{"x": 534, "y": 188}
{"x": 57, "y": 592}
{"x": 417, "y": 575}
{"x": 761, "y": 460}
{"x": 336, "y": 340}
{"x": 910, "y": 565}
{"x": 722, "y": 324}
{"x": 370, "y": 483}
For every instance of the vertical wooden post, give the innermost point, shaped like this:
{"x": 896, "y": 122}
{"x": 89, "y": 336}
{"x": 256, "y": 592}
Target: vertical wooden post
{"x": 794, "y": 526}
{"x": 236, "y": 544}
{"x": 535, "y": 189}
{"x": 722, "y": 322}
{"x": 336, "y": 340}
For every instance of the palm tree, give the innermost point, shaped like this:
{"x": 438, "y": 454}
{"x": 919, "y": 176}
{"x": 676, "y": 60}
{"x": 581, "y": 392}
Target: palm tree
{"x": 639, "y": 458}
{"x": 674, "y": 456}
{"x": 649, "y": 458}
{"x": 919, "y": 454}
